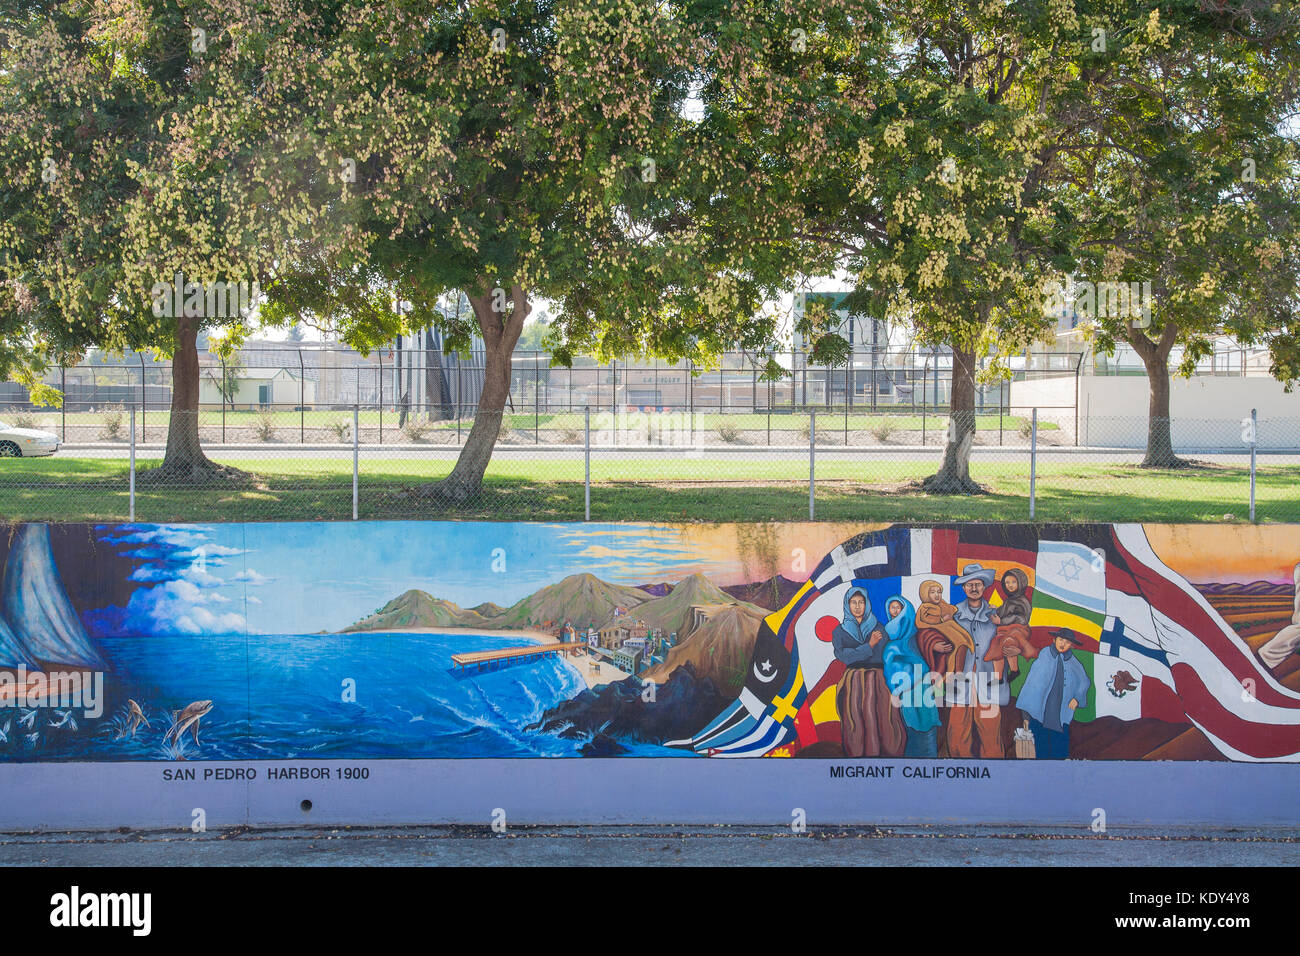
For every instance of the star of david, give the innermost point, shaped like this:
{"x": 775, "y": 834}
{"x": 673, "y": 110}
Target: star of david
{"x": 1070, "y": 570}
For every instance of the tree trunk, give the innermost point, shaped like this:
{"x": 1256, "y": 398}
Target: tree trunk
{"x": 953, "y": 476}
{"x": 184, "y": 461}
{"x": 437, "y": 399}
{"x": 500, "y": 333}
{"x": 1155, "y": 358}
{"x": 184, "y": 452}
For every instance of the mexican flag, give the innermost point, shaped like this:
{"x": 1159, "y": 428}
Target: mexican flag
{"x": 1120, "y": 688}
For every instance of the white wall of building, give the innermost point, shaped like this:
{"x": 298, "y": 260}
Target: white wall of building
{"x": 1206, "y": 410}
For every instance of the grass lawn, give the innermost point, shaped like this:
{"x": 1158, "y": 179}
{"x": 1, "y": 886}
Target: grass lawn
{"x": 652, "y": 489}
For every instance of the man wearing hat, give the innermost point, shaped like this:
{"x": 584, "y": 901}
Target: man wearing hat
{"x": 1055, "y": 687}
{"x": 977, "y": 692}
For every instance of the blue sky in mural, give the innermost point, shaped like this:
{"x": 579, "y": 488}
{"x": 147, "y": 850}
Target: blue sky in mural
{"x": 303, "y": 577}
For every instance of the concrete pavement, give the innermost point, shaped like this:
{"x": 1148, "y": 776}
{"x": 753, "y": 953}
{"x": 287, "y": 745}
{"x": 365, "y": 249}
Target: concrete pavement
{"x": 657, "y": 846}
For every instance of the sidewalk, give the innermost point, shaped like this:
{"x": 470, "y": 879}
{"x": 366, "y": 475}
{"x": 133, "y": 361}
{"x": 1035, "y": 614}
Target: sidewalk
{"x": 657, "y": 846}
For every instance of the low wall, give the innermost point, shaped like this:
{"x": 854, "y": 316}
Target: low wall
{"x": 1206, "y": 410}
{"x": 435, "y": 672}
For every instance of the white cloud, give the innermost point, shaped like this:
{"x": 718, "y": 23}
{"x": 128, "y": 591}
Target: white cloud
{"x": 253, "y": 578}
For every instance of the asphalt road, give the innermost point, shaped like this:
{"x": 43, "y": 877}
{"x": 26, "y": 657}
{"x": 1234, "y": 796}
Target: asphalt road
{"x": 271, "y": 450}
{"x": 657, "y": 846}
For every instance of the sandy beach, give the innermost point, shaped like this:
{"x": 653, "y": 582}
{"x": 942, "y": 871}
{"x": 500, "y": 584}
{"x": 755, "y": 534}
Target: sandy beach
{"x": 595, "y": 676}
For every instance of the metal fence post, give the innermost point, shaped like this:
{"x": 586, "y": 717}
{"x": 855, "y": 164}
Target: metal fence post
{"x": 302, "y": 400}
{"x": 1033, "y": 464}
{"x": 63, "y": 405}
{"x": 586, "y": 481}
{"x": 356, "y": 454}
{"x": 1254, "y": 443}
{"x": 690, "y": 399}
{"x": 812, "y": 463}
{"x": 925, "y": 381}
{"x": 221, "y": 392}
{"x": 537, "y": 400}
{"x": 131, "y": 506}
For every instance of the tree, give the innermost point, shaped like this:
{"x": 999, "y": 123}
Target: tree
{"x": 954, "y": 182}
{"x": 527, "y": 150}
{"x": 936, "y": 190}
{"x": 1192, "y": 197}
{"x": 227, "y": 379}
{"x": 143, "y": 147}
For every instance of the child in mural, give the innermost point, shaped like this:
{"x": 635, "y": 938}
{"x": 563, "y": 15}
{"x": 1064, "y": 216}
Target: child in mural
{"x": 943, "y": 642}
{"x": 1011, "y": 641}
{"x": 1056, "y": 686}
{"x": 905, "y": 672}
{"x": 870, "y": 724}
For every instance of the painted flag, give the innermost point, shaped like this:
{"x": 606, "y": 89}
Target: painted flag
{"x": 1129, "y": 679}
{"x": 1069, "y": 588}
{"x": 763, "y": 716}
{"x": 1176, "y": 637}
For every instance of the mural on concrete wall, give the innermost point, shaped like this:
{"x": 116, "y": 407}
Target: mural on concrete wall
{"x": 426, "y": 639}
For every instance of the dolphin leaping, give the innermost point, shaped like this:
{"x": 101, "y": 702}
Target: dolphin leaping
{"x": 187, "y": 719}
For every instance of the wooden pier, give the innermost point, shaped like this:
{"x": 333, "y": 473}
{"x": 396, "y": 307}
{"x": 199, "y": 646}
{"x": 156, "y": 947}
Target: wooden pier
{"x": 485, "y": 660}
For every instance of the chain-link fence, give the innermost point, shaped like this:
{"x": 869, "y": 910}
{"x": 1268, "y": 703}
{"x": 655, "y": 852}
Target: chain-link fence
{"x": 422, "y": 396}
{"x": 634, "y": 464}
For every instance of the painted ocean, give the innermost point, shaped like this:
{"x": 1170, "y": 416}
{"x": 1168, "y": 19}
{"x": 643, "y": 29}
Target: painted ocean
{"x": 283, "y": 696}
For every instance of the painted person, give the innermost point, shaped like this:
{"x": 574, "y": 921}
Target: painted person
{"x": 870, "y": 724}
{"x": 978, "y": 693}
{"x": 1056, "y": 686}
{"x": 942, "y": 641}
{"x": 1011, "y": 640}
{"x": 905, "y": 673}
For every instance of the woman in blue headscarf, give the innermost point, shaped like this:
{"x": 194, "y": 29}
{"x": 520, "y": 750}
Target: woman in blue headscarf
{"x": 870, "y": 725}
{"x": 905, "y": 674}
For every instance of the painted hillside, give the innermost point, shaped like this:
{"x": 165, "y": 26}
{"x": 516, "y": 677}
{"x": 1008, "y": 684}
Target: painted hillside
{"x": 719, "y": 649}
{"x": 672, "y": 612}
{"x": 416, "y": 608}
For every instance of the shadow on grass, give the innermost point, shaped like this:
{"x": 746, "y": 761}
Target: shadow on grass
{"x": 96, "y": 491}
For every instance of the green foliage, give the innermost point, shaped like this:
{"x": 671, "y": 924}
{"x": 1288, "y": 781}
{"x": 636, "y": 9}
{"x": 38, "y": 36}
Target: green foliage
{"x": 416, "y": 429}
{"x": 20, "y": 418}
{"x": 113, "y": 416}
{"x": 1200, "y": 198}
{"x": 264, "y": 426}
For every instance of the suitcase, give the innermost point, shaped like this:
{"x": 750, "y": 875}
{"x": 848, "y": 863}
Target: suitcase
{"x": 1024, "y": 744}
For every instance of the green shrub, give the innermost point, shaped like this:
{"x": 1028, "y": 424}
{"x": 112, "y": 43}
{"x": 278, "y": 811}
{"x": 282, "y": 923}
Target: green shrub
{"x": 417, "y": 428}
{"x": 264, "y": 427}
{"x": 113, "y": 416}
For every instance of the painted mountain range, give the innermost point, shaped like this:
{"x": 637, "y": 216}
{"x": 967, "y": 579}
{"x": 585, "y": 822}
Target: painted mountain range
{"x": 717, "y": 648}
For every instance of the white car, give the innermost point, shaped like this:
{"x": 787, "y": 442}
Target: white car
{"x": 26, "y": 442}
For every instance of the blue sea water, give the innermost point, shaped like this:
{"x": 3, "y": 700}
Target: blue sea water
{"x": 282, "y": 696}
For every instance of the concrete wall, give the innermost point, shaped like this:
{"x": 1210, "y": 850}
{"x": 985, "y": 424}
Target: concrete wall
{"x": 1206, "y": 410}
{"x": 371, "y": 672}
